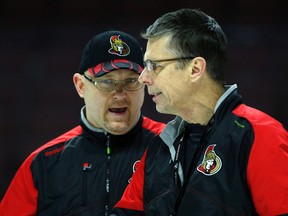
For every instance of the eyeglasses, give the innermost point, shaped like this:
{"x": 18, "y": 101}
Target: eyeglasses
{"x": 131, "y": 84}
{"x": 152, "y": 65}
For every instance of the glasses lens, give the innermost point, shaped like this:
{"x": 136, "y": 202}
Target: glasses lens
{"x": 132, "y": 84}
{"x": 106, "y": 85}
{"x": 149, "y": 65}
{"x": 128, "y": 84}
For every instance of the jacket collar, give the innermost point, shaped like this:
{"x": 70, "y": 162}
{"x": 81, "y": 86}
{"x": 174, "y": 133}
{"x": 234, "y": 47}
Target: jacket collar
{"x": 93, "y": 131}
{"x": 175, "y": 127}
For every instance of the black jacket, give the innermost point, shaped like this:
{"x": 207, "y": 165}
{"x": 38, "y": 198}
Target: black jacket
{"x": 82, "y": 172}
{"x": 238, "y": 168}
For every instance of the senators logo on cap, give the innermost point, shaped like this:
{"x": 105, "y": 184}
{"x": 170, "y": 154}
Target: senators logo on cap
{"x": 118, "y": 47}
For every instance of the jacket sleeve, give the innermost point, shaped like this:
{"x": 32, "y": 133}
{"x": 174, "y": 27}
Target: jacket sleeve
{"x": 21, "y": 197}
{"x": 132, "y": 198}
{"x": 267, "y": 171}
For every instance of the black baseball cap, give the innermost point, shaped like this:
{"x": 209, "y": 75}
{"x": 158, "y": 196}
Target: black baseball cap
{"x": 109, "y": 51}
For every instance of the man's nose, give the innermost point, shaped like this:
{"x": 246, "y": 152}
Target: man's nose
{"x": 119, "y": 92}
{"x": 119, "y": 87}
{"x": 145, "y": 77}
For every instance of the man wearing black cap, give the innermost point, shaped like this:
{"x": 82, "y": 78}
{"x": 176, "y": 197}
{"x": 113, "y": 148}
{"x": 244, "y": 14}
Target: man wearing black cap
{"x": 85, "y": 171}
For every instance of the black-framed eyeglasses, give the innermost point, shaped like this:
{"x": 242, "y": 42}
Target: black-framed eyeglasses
{"x": 131, "y": 84}
{"x": 152, "y": 65}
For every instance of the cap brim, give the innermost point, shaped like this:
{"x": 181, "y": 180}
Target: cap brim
{"x": 106, "y": 67}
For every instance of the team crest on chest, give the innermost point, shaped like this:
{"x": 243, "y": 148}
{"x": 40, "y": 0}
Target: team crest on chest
{"x": 135, "y": 166}
{"x": 211, "y": 163}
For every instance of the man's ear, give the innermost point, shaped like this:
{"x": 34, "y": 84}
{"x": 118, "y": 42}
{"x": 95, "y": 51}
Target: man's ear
{"x": 79, "y": 84}
{"x": 198, "y": 67}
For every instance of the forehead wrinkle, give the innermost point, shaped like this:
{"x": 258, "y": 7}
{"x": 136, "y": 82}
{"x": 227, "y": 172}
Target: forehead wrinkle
{"x": 157, "y": 48}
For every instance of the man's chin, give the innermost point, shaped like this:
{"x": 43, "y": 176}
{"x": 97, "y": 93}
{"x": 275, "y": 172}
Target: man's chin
{"x": 160, "y": 108}
{"x": 163, "y": 109}
{"x": 118, "y": 128}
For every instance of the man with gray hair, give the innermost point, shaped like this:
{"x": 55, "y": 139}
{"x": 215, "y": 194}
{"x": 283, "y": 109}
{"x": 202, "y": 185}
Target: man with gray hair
{"x": 185, "y": 66}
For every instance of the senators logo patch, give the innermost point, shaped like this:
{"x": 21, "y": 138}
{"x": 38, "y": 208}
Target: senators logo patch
{"x": 118, "y": 46}
{"x": 135, "y": 166}
{"x": 211, "y": 163}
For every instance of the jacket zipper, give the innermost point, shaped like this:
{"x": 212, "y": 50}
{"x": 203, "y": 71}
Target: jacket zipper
{"x": 86, "y": 167}
{"x": 108, "y": 152}
{"x": 191, "y": 169}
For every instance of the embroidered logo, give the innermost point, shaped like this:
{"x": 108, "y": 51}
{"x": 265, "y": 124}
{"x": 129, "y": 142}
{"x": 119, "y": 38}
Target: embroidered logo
{"x": 87, "y": 166}
{"x": 135, "y": 166}
{"x": 118, "y": 46}
{"x": 54, "y": 151}
{"x": 211, "y": 162}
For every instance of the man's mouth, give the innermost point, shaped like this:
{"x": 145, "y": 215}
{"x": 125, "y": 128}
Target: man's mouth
{"x": 118, "y": 110}
{"x": 154, "y": 95}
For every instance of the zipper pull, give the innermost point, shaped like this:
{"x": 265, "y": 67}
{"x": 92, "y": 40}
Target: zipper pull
{"x": 108, "y": 150}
